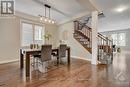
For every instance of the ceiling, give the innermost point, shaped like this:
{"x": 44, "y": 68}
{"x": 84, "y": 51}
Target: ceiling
{"x": 61, "y": 9}
{"x": 67, "y": 9}
{"x": 114, "y": 20}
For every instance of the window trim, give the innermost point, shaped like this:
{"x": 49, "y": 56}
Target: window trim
{"x": 33, "y": 26}
{"x": 118, "y": 33}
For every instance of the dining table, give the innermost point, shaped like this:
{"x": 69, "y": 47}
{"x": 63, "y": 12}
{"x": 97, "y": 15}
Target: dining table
{"x": 25, "y": 57}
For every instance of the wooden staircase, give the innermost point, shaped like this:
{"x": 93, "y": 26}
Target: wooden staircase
{"x": 83, "y": 34}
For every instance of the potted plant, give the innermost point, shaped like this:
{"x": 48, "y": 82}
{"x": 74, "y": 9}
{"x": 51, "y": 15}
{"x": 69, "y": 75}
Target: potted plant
{"x": 47, "y": 38}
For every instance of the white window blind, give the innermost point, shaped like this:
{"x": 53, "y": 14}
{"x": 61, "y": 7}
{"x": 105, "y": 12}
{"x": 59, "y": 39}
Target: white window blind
{"x": 32, "y": 34}
{"x": 27, "y": 34}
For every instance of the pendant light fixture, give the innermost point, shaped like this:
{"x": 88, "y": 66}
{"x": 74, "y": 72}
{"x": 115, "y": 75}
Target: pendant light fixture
{"x": 47, "y": 18}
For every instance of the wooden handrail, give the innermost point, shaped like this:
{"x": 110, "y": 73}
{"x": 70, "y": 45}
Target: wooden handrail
{"x": 83, "y": 25}
{"x": 104, "y": 43}
{"x": 100, "y": 35}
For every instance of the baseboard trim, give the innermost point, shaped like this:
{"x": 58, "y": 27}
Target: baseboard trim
{"x": 15, "y": 60}
{"x": 9, "y": 61}
{"x": 76, "y": 57}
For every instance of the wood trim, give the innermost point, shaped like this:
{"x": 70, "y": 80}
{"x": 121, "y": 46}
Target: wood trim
{"x": 8, "y": 61}
{"x": 77, "y": 57}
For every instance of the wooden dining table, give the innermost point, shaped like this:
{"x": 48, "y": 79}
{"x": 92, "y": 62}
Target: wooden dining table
{"x": 29, "y": 52}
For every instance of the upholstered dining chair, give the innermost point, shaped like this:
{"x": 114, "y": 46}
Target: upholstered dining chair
{"x": 44, "y": 57}
{"x": 61, "y": 52}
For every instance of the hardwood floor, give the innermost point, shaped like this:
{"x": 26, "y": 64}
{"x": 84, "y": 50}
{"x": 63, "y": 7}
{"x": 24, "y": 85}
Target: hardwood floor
{"x": 79, "y": 74}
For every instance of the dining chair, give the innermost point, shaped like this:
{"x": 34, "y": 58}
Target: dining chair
{"x": 61, "y": 52}
{"x": 44, "y": 57}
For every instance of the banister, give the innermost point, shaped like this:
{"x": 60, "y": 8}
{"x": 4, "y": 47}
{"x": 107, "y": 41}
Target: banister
{"x": 99, "y": 35}
{"x": 84, "y": 31}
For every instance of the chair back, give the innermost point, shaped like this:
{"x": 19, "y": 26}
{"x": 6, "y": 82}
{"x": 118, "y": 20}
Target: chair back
{"x": 62, "y": 50}
{"x": 46, "y": 51}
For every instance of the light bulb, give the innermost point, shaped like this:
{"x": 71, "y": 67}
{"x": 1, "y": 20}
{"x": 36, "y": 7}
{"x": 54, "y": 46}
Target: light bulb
{"x": 49, "y": 21}
{"x": 53, "y": 22}
{"x": 41, "y": 18}
{"x": 45, "y": 19}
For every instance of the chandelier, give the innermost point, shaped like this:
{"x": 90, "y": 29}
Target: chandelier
{"x": 47, "y": 17}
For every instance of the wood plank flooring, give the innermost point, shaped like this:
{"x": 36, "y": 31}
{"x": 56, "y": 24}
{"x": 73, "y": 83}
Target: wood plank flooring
{"x": 79, "y": 74}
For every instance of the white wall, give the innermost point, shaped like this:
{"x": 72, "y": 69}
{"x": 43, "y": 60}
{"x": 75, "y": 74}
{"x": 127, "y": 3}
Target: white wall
{"x": 9, "y": 39}
{"x": 53, "y": 30}
{"x": 76, "y": 48}
{"x": 126, "y": 31}
{"x": 10, "y": 36}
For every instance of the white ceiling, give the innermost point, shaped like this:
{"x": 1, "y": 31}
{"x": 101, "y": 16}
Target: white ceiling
{"x": 63, "y": 9}
{"x": 33, "y": 8}
{"x": 68, "y": 9}
{"x": 114, "y": 20}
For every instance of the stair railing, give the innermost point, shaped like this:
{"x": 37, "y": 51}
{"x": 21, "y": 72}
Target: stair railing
{"x": 104, "y": 47}
{"x": 104, "y": 43}
{"x": 85, "y": 30}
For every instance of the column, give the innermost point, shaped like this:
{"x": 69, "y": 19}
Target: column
{"x": 94, "y": 24}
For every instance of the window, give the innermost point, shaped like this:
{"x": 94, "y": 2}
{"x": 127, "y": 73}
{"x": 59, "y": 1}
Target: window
{"x": 27, "y": 34}
{"x": 115, "y": 39}
{"x": 32, "y": 34}
{"x": 39, "y": 32}
{"x": 119, "y": 39}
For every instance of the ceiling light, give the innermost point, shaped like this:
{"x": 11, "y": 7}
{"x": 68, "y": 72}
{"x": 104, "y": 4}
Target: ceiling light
{"x": 121, "y": 9}
{"x": 47, "y": 17}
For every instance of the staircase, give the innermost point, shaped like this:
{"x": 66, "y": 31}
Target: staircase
{"x": 83, "y": 34}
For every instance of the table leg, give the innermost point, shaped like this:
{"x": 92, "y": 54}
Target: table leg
{"x": 57, "y": 57}
{"x": 21, "y": 60}
{"x": 27, "y": 65}
{"x": 68, "y": 56}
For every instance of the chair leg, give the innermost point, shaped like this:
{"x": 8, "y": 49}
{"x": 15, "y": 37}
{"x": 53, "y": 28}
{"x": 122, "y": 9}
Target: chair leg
{"x": 61, "y": 62}
{"x": 54, "y": 60}
{"x": 37, "y": 64}
{"x": 52, "y": 63}
{"x": 48, "y": 65}
{"x": 33, "y": 63}
{"x": 44, "y": 67}
{"x": 55, "y": 64}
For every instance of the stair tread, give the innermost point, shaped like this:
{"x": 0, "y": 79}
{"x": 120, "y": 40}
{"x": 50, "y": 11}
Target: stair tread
{"x": 81, "y": 35}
